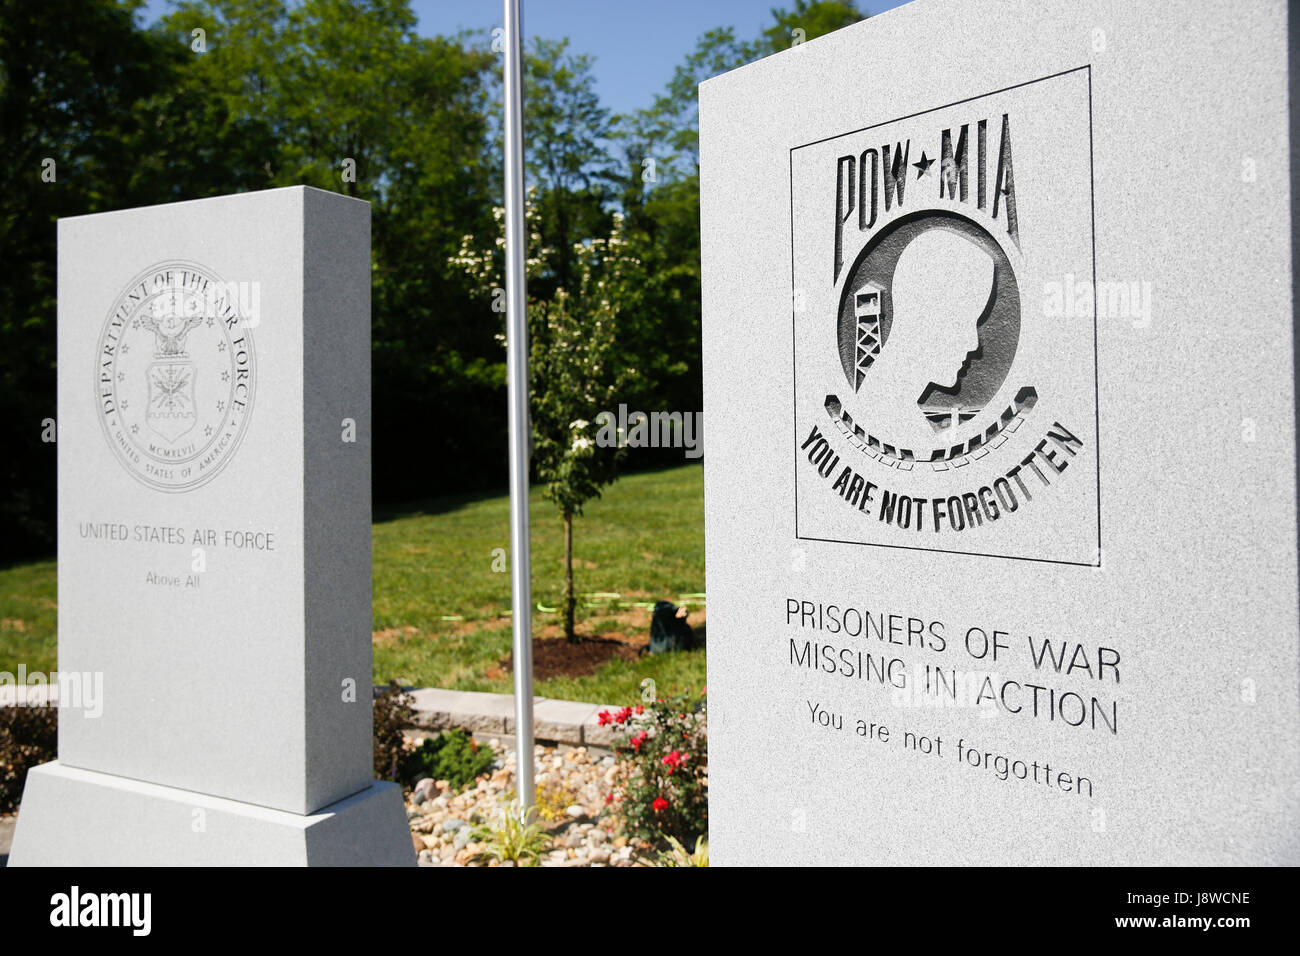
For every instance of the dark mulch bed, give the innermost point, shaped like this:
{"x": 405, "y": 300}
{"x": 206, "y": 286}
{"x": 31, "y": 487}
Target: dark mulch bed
{"x": 556, "y": 657}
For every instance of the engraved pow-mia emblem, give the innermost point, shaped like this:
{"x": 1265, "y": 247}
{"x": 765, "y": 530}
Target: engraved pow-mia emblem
{"x": 941, "y": 402}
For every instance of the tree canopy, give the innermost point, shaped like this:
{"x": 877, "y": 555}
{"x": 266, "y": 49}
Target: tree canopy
{"x": 100, "y": 111}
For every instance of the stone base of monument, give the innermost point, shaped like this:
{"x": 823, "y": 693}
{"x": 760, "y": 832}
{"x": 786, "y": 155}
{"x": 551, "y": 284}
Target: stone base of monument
{"x": 74, "y": 817}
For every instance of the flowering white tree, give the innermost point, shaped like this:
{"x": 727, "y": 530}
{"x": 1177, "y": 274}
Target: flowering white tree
{"x": 576, "y": 369}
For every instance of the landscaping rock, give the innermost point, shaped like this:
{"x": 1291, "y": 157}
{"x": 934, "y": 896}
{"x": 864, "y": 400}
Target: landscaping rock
{"x": 443, "y": 822}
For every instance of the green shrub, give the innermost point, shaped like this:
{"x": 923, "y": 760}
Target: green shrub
{"x": 29, "y": 736}
{"x": 664, "y": 800}
{"x": 454, "y": 756}
{"x": 516, "y": 838}
{"x": 393, "y": 712}
{"x": 678, "y": 855}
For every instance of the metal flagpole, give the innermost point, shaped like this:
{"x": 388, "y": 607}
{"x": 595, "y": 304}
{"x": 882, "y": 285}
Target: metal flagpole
{"x": 517, "y": 376}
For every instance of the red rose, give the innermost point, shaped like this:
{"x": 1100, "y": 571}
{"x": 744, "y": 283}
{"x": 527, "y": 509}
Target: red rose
{"x": 659, "y": 804}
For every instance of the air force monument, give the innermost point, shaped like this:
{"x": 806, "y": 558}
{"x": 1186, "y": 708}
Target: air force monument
{"x": 214, "y": 541}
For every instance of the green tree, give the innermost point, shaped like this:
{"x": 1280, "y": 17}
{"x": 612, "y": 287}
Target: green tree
{"x": 669, "y": 128}
{"x": 356, "y": 102}
{"x": 566, "y": 130}
{"x": 576, "y": 368}
{"x": 344, "y": 95}
{"x": 658, "y": 188}
{"x": 90, "y": 119}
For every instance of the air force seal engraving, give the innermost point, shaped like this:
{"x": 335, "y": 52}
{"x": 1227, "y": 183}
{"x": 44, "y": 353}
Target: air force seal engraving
{"x": 175, "y": 376}
{"x": 945, "y": 399}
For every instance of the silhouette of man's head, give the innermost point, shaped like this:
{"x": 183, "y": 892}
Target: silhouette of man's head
{"x": 941, "y": 290}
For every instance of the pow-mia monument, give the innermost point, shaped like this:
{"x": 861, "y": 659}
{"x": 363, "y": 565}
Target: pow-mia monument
{"x": 999, "y": 320}
{"x": 214, "y": 540}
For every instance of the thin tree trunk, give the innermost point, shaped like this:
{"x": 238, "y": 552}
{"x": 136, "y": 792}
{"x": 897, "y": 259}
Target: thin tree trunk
{"x": 570, "y": 600}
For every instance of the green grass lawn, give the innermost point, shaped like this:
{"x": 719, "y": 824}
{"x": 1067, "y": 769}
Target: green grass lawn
{"x": 28, "y": 617}
{"x": 442, "y": 589}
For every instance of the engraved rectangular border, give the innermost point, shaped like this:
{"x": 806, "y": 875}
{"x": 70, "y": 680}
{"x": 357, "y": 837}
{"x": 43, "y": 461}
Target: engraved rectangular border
{"x": 794, "y": 344}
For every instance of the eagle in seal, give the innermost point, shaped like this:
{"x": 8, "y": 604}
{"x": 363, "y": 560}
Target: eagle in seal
{"x": 171, "y": 331}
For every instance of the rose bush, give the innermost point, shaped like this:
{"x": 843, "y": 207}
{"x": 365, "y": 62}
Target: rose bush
{"x": 665, "y": 790}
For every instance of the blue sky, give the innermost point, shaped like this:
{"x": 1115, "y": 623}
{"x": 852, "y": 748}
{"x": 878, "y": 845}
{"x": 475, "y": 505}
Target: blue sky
{"x": 636, "y": 45}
